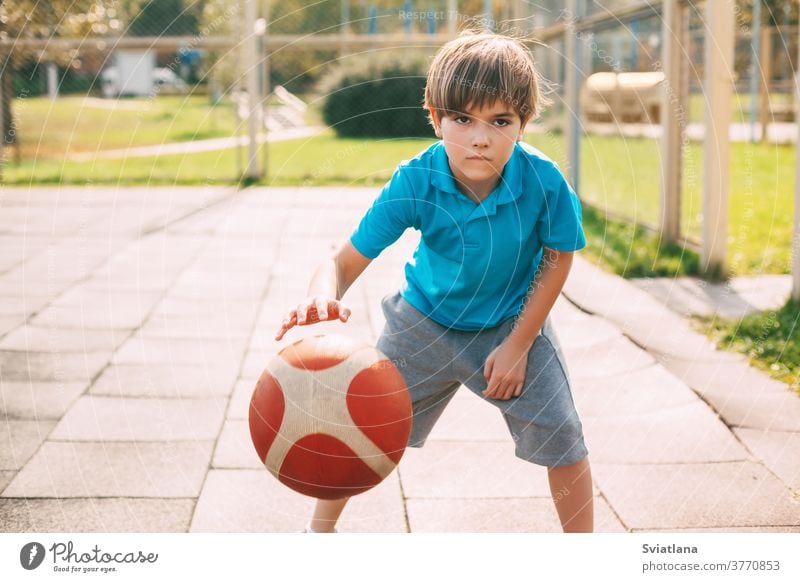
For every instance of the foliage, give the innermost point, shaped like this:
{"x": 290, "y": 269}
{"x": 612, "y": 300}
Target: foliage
{"x": 377, "y": 96}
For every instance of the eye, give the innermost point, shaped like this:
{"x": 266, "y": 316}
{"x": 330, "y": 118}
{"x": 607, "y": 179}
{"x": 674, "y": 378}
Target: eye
{"x": 462, "y": 119}
{"x": 503, "y": 122}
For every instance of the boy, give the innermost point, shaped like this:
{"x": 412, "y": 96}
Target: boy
{"x": 499, "y": 224}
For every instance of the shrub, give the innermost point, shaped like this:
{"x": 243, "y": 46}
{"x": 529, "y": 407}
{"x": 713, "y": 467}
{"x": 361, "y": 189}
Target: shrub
{"x": 377, "y": 96}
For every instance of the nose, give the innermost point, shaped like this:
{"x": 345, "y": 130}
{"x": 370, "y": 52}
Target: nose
{"x": 480, "y": 135}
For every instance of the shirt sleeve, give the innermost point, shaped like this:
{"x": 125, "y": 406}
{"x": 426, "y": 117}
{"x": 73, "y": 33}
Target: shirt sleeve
{"x": 391, "y": 214}
{"x": 559, "y": 225}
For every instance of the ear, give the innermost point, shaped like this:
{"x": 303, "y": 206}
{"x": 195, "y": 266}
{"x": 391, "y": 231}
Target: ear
{"x": 437, "y": 123}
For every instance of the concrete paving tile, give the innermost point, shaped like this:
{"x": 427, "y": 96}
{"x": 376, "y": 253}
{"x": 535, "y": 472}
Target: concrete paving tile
{"x": 458, "y": 469}
{"x": 23, "y": 304}
{"x": 165, "y": 381}
{"x": 779, "y": 451}
{"x": 19, "y": 248}
{"x": 239, "y": 406}
{"x": 255, "y": 362}
{"x": 468, "y": 418}
{"x": 11, "y": 322}
{"x": 5, "y": 478}
{"x": 203, "y": 222}
{"x": 235, "y": 258}
{"x": 696, "y": 495}
{"x": 595, "y": 332}
{"x": 124, "y": 278}
{"x": 649, "y": 389}
{"x": 163, "y": 470}
{"x": 60, "y": 265}
{"x": 231, "y": 308}
{"x": 198, "y": 285}
{"x": 741, "y": 395}
{"x": 14, "y": 283}
{"x": 211, "y": 327}
{"x": 20, "y": 440}
{"x": 173, "y": 351}
{"x": 235, "y": 448}
{"x": 249, "y": 501}
{"x": 515, "y": 515}
{"x": 482, "y": 515}
{"x": 254, "y": 501}
{"x": 732, "y": 299}
{"x": 608, "y": 295}
{"x": 90, "y": 318}
{"x": 95, "y": 515}
{"x": 729, "y": 530}
{"x": 617, "y": 356}
{"x": 56, "y": 367}
{"x": 38, "y": 400}
{"x": 88, "y": 298}
{"x": 687, "y": 434}
{"x": 99, "y": 418}
{"x": 185, "y": 288}
{"x": 381, "y": 509}
{"x": 668, "y": 333}
{"x": 30, "y": 338}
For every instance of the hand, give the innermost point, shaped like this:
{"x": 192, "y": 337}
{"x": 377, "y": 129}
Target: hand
{"x": 313, "y": 310}
{"x": 505, "y": 371}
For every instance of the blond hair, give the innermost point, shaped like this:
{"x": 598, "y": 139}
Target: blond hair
{"x": 478, "y": 68}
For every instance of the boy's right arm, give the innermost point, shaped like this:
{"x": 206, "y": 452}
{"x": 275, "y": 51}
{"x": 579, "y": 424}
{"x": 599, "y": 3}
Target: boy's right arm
{"x": 330, "y": 282}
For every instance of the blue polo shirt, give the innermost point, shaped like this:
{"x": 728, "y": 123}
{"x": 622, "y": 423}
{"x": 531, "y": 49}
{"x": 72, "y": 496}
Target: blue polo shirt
{"x": 474, "y": 262}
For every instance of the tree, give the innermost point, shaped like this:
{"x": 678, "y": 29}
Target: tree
{"x": 166, "y": 18}
{"x": 33, "y": 19}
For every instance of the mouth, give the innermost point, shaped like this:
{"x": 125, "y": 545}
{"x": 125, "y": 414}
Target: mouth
{"x": 479, "y": 158}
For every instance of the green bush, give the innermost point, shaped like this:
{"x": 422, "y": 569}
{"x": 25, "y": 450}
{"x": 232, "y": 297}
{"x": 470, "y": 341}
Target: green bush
{"x": 377, "y": 96}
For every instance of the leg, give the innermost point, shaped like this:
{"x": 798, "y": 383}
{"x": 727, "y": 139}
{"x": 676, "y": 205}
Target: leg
{"x": 326, "y": 513}
{"x": 571, "y": 488}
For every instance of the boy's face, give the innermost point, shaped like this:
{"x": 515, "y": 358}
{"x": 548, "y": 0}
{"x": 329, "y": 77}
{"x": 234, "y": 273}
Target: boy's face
{"x": 479, "y": 142}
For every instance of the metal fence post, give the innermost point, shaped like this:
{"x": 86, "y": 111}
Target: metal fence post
{"x": 796, "y": 229}
{"x": 672, "y": 117}
{"x": 716, "y": 150}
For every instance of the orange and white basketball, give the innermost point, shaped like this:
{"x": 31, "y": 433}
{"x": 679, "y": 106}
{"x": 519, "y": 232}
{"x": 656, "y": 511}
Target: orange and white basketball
{"x": 330, "y": 416}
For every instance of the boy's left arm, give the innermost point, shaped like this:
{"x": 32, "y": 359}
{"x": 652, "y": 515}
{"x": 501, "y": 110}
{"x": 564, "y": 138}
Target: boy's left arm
{"x": 505, "y": 367}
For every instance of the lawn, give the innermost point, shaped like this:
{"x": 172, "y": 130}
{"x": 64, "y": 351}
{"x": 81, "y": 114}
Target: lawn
{"x": 618, "y": 175}
{"x": 71, "y": 124}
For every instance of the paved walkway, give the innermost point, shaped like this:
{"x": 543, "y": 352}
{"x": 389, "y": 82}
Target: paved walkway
{"x": 134, "y": 322}
{"x": 778, "y": 132}
{"x": 196, "y": 146}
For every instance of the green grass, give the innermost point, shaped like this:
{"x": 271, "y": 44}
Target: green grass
{"x": 740, "y": 105}
{"x": 50, "y": 129}
{"x": 770, "y": 339}
{"x": 630, "y": 250}
{"x": 618, "y": 175}
{"x": 622, "y": 176}
{"x": 317, "y": 161}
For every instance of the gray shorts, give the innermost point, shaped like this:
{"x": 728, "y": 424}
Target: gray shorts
{"x": 435, "y": 361}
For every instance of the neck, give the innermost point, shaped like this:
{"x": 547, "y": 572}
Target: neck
{"x": 477, "y": 191}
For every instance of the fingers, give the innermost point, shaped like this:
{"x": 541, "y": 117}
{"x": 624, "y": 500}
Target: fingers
{"x": 302, "y": 313}
{"x": 321, "y": 303}
{"x": 313, "y": 311}
{"x": 487, "y": 369}
{"x": 503, "y": 389}
{"x": 286, "y": 325}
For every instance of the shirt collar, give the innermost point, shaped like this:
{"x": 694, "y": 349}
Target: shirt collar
{"x": 508, "y": 189}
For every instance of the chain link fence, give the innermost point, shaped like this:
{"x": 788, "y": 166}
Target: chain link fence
{"x": 161, "y": 84}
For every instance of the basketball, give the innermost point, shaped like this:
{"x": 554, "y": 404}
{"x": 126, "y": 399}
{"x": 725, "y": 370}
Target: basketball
{"x": 330, "y": 416}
